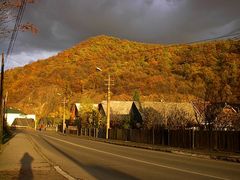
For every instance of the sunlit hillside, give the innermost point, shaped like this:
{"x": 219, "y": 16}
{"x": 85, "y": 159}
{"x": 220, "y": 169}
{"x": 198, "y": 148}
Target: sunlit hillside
{"x": 209, "y": 70}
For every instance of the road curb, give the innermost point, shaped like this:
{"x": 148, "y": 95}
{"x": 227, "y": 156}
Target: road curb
{"x": 215, "y": 157}
{"x": 226, "y": 158}
{"x": 175, "y": 151}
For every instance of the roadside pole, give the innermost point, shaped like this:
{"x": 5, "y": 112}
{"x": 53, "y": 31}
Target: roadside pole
{"x": 108, "y": 100}
{"x": 108, "y": 106}
{"x": 64, "y": 106}
{"x": 1, "y": 102}
{"x": 193, "y": 138}
{"x": 35, "y": 124}
{"x": 64, "y": 111}
{"x": 4, "y": 109}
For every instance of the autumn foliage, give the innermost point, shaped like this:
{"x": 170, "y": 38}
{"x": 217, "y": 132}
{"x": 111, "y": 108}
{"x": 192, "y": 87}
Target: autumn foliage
{"x": 208, "y": 70}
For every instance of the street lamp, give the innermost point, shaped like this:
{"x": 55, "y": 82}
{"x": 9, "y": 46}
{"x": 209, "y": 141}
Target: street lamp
{"x": 108, "y": 102}
{"x": 64, "y": 102}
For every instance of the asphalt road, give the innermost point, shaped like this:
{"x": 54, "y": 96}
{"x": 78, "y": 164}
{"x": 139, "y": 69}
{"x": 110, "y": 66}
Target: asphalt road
{"x": 86, "y": 159}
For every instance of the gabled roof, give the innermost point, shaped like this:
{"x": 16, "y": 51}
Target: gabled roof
{"x": 80, "y": 105}
{"x": 228, "y": 109}
{"x": 167, "y": 107}
{"x": 200, "y": 107}
{"x": 118, "y": 107}
{"x": 236, "y": 107}
{"x": 23, "y": 122}
{"x": 14, "y": 111}
{"x": 222, "y": 105}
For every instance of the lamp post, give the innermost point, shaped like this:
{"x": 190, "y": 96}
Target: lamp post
{"x": 108, "y": 101}
{"x": 64, "y": 106}
{"x": 108, "y": 105}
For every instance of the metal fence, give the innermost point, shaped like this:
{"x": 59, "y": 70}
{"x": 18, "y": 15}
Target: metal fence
{"x": 182, "y": 138}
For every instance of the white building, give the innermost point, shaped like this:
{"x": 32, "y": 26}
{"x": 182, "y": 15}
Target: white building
{"x": 12, "y": 114}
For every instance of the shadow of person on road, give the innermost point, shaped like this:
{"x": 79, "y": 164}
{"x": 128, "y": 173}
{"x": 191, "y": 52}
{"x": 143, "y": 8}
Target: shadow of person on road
{"x": 99, "y": 172}
{"x": 25, "y": 172}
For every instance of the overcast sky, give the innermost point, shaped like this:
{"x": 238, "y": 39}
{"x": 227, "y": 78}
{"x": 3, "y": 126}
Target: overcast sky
{"x": 63, "y": 23}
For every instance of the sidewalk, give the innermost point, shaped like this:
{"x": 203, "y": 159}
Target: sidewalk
{"x": 20, "y": 160}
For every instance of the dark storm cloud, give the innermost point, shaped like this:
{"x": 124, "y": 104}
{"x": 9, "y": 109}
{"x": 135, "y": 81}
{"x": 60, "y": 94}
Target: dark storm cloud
{"x": 63, "y": 23}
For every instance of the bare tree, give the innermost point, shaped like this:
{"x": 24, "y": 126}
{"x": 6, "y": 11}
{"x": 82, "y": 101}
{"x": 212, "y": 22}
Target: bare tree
{"x": 8, "y": 14}
{"x": 227, "y": 119}
{"x": 179, "y": 118}
{"x": 152, "y": 119}
{"x": 236, "y": 121}
{"x": 5, "y": 7}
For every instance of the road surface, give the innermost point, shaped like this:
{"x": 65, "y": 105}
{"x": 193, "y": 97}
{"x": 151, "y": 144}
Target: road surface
{"x": 86, "y": 159}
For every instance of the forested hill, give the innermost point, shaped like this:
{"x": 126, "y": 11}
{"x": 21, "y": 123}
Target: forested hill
{"x": 208, "y": 70}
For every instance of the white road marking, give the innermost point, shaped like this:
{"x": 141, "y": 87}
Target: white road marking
{"x": 60, "y": 171}
{"x": 57, "y": 168}
{"x": 136, "y": 160}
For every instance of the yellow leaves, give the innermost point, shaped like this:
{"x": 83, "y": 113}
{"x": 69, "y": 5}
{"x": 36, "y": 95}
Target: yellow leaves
{"x": 153, "y": 69}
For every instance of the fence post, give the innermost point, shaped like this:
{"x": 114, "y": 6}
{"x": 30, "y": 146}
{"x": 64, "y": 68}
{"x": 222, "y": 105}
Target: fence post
{"x": 153, "y": 134}
{"x": 168, "y": 137}
{"x": 193, "y": 138}
{"x": 162, "y": 131}
{"x": 215, "y": 140}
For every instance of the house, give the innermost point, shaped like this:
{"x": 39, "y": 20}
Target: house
{"x": 121, "y": 108}
{"x": 135, "y": 116}
{"x": 18, "y": 118}
{"x": 221, "y": 116}
{"x": 74, "y": 111}
{"x": 78, "y": 108}
{"x": 170, "y": 114}
{"x": 119, "y": 112}
{"x": 227, "y": 117}
{"x": 23, "y": 122}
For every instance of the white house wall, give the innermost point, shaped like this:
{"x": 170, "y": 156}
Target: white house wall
{"x": 31, "y": 116}
{"x": 11, "y": 117}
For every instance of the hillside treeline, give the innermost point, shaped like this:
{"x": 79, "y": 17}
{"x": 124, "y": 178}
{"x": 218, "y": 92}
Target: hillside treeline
{"x": 208, "y": 71}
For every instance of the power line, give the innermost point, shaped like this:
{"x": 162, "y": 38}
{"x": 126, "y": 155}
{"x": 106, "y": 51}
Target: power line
{"x": 9, "y": 51}
{"x": 16, "y": 27}
{"x": 231, "y": 36}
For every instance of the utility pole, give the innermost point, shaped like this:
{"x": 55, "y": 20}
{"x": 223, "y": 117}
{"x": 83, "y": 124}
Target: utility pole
{"x": 108, "y": 105}
{"x": 64, "y": 106}
{"x": 4, "y": 110}
{"x": 1, "y": 102}
{"x": 108, "y": 100}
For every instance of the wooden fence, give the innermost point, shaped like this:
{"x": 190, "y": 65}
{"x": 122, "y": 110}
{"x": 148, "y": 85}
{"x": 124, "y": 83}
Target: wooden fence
{"x": 190, "y": 139}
